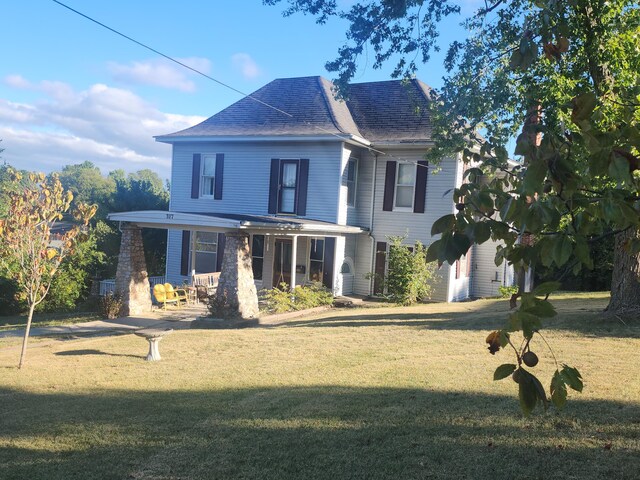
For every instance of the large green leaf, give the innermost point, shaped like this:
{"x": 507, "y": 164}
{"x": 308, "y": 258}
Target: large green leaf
{"x": 572, "y": 378}
{"x": 542, "y": 396}
{"x": 558, "y": 390}
{"x": 583, "y": 106}
{"x": 504, "y": 370}
{"x": 443, "y": 224}
{"x": 481, "y": 232}
{"x": 527, "y": 392}
{"x": 562, "y": 249}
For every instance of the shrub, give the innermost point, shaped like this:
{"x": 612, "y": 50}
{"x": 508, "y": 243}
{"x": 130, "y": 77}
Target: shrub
{"x": 507, "y": 291}
{"x": 409, "y": 276}
{"x": 110, "y": 306}
{"x": 220, "y": 307}
{"x": 281, "y": 300}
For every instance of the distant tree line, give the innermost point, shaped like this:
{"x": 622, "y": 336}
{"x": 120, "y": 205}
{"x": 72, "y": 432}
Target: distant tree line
{"x": 97, "y": 255}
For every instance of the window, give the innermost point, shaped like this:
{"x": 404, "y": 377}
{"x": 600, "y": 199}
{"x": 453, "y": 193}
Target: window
{"x": 207, "y": 182}
{"x": 257, "y": 256}
{"x": 405, "y": 183}
{"x": 288, "y": 186}
{"x": 316, "y": 259}
{"x": 205, "y": 250}
{"x": 352, "y": 168}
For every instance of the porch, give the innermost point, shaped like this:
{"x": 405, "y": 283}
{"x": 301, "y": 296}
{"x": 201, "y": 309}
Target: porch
{"x": 249, "y": 251}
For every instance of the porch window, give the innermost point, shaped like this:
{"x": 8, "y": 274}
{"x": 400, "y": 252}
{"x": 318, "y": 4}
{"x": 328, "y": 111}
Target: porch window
{"x": 207, "y": 183}
{"x": 257, "y": 256}
{"x": 205, "y": 251}
{"x": 316, "y": 259}
{"x": 352, "y": 168}
{"x": 405, "y": 184}
{"x": 288, "y": 186}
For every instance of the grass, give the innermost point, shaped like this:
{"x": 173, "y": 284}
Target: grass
{"x": 47, "y": 319}
{"x": 374, "y": 393}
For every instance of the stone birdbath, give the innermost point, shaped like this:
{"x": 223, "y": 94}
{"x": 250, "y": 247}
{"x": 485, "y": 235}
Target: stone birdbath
{"x": 153, "y": 335}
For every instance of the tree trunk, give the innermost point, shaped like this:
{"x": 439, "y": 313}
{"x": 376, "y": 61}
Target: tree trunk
{"x": 625, "y": 287}
{"x": 23, "y": 353}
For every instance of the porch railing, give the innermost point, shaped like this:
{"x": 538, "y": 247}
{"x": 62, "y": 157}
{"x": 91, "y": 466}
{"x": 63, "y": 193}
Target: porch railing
{"x": 109, "y": 285}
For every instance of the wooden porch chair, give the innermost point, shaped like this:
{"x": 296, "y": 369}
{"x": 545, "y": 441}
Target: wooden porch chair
{"x": 207, "y": 280}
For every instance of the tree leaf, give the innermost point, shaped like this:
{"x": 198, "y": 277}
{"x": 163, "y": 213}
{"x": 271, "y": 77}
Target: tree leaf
{"x": 481, "y": 232}
{"x": 504, "y": 370}
{"x": 443, "y": 224}
{"x": 572, "y": 378}
{"x": 527, "y": 393}
{"x": 558, "y": 390}
{"x": 540, "y": 392}
{"x": 583, "y": 106}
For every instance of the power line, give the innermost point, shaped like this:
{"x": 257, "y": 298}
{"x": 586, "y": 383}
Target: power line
{"x": 223, "y": 84}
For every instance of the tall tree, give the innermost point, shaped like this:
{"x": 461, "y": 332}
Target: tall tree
{"x": 563, "y": 77}
{"x": 27, "y": 253}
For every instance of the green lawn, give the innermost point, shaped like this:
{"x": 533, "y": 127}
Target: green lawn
{"x": 47, "y": 319}
{"x": 388, "y": 393}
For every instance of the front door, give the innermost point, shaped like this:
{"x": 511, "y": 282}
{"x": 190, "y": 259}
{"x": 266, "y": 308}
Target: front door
{"x": 282, "y": 262}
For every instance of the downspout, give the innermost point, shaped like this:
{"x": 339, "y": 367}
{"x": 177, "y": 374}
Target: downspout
{"x": 371, "y": 218}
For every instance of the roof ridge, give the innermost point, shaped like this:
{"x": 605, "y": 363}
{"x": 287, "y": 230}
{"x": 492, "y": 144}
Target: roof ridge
{"x": 330, "y": 107}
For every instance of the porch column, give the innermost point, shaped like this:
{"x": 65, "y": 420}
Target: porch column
{"x": 294, "y": 256}
{"x": 236, "y": 278}
{"x": 132, "y": 280}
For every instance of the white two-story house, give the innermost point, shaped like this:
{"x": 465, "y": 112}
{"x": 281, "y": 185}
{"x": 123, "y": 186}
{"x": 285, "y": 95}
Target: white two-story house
{"x": 318, "y": 185}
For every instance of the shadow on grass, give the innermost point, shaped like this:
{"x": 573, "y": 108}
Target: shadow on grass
{"x": 309, "y": 432}
{"x": 583, "y": 316}
{"x": 88, "y": 351}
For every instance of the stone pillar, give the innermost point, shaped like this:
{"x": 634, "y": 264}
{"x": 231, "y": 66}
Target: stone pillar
{"x": 132, "y": 280}
{"x": 236, "y": 277}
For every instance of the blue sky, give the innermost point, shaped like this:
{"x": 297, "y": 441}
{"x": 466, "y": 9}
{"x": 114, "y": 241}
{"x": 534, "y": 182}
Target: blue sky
{"x": 72, "y": 91}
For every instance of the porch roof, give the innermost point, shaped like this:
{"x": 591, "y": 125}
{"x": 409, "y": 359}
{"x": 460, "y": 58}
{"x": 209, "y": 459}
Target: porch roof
{"x": 232, "y": 222}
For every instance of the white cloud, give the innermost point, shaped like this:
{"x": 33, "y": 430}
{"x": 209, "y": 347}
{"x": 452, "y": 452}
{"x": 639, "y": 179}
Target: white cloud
{"x": 246, "y": 65}
{"x": 159, "y": 73}
{"x": 111, "y": 127}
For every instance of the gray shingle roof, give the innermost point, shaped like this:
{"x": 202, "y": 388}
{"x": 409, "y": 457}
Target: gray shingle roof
{"x": 308, "y": 101}
{"x": 391, "y": 111}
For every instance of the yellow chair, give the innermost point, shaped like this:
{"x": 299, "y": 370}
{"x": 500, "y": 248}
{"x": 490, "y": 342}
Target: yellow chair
{"x": 179, "y": 294}
{"x": 161, "y": 296}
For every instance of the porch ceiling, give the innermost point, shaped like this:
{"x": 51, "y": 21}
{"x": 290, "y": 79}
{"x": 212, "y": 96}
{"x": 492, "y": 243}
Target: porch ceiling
{"x": 232, "y": 222}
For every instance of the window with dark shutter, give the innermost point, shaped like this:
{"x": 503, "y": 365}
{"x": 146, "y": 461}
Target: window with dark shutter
{"x": 421, "y": 187}
{"x": 184, "y": 256}
{"x": 288, "y": 185}
{"x": 389, "y": 186}
{"x": 217, "y": 191}
{"x": 195, "y": 176}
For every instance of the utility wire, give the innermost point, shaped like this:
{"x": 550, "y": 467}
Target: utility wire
{"x": 226, "y": 85}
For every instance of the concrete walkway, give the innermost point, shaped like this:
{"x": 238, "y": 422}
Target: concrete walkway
{"x": 177, "y": 319}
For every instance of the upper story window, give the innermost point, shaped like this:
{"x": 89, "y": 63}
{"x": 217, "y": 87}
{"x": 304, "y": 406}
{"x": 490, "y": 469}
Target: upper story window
{"x": 288, "y": 186}
{"x": 208, "y": 176}
{"x": 405, "y": 184}
{"x": 352, "y": 170}
{"x": 207, "y": 171}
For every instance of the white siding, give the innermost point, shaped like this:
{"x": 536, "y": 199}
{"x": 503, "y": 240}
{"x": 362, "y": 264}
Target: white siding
{"x": 486, "y": 276}
{"x": 417, "y": 226}
{"x": 362, "y": 260}
{"x": 247, "y": 169}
